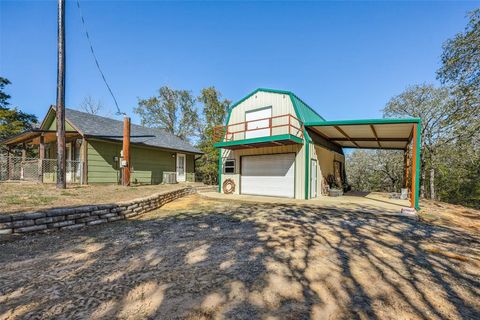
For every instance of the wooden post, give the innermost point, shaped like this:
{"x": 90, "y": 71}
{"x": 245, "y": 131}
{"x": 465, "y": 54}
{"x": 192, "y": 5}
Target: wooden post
{"x": 413, "y": 191}
{"x": 60, "y": 107}
{"x": 9, "y": 163}
{"x": 84, "y": 159}
{"x": 126, "y": 151}
{"x": 41, "y": 157}
{"x": 24, "y": 158}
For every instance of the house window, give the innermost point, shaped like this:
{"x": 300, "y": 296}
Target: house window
{"x": 229, "y": 166}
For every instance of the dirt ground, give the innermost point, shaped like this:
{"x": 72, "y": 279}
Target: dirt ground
{"x": 197, "y": 258}
{"x": 25, "y": 196}
{"x": 453, "y": 216}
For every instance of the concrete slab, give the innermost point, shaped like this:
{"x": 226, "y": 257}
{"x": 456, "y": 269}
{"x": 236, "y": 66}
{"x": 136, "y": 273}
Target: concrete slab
{"x": 372, "y": 203}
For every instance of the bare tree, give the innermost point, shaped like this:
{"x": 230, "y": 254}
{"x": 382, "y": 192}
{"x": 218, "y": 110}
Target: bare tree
{"x": 90, "y": 105}
{"x": 172, "y": 110}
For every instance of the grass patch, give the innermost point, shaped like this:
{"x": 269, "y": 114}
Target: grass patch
{"x": 66, "y": 193}
{"x": 33, "y": 200}
{"x": 20, "y": 197}
{"x": 13, "y": 200}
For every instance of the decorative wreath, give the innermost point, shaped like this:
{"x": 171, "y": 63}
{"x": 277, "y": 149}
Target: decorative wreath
{"x": 228, "y": 186}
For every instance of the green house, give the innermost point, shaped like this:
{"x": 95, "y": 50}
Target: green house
{"x": 93, "y": 150}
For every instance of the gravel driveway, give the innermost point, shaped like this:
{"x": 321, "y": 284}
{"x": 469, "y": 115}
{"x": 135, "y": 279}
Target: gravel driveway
{"x": 206, "y": 259}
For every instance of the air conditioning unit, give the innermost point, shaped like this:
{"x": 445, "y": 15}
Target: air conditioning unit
{"x": 169, "y": 177}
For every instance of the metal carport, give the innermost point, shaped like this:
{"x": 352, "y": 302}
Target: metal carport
{"x": 394, "y": 134}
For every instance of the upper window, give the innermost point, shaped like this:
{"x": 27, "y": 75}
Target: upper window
{"x": 258, "y": 123}
{"x": 229, "y": 166}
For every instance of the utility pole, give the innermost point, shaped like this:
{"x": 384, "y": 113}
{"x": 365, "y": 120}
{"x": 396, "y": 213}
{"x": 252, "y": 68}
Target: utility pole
{"x": 60, "y": 108}
{"x": 126, "y": 151}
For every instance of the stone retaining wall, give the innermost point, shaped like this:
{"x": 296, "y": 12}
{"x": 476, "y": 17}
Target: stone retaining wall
{"x": 78, "y": 217}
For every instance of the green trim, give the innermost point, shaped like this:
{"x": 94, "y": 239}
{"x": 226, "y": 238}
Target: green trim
{"x": 259, "y": 140}
{"x": 237, "y": 103}
{"x": 417, "y": 166}
{"x": 44, "y": 121}
{"x": 220, "y": 170}
{"x": 363, "y": 121}
{"x": 243, "y": 99}
{"x": 295, "y": 106}
{"x": 307, "y": 140}
{"x": 289, "y": 93}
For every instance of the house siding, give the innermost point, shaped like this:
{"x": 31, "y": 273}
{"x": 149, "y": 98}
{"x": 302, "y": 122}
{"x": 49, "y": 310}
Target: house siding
{"x": 101, "y": 167}
{"x": 51, "y": 123}
{"x": 281, "y": 104}
{"x": 325, "y": 159}
{"x": 190, "y": 169}
{"x": 148, "y": 164}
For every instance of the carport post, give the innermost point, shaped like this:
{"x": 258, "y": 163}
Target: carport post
{"x": 416, "y": 146}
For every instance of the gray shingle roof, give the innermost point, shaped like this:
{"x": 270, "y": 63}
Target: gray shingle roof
{"x": 111, "y": 129}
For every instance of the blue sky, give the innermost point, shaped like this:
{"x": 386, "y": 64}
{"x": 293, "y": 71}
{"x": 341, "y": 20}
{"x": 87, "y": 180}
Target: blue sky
{"x": 345, "y": 59}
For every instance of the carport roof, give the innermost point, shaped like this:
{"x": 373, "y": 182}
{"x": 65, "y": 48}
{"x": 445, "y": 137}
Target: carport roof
{"x": 368, "y": 133}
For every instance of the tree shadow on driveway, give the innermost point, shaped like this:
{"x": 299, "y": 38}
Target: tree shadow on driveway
{"x": 244, "y": 261}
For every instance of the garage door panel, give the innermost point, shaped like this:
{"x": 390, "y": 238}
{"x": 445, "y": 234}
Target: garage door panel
{"x": 274, "y": 166}
{"x": 270, "y": 175}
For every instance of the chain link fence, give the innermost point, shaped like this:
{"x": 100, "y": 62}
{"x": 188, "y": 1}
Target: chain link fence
{"x": 33, "y": 169}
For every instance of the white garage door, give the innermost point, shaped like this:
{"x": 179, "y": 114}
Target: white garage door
{"x": 269, "y": 175}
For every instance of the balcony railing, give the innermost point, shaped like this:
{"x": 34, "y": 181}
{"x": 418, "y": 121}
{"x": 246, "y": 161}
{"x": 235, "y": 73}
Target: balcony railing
{"x": 272, "y": 126}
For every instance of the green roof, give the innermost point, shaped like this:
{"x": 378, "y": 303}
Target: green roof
{"x": 259, "y": 140}
{"x": 304, "y": 112}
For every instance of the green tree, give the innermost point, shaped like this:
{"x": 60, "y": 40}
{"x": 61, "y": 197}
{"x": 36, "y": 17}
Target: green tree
{"x": 214, "y": 113}
{"x": 171, "y": 110}
{"x": 461, "y": 64}
{"x": 459, "y": 172}
{"x": 440, "y": 117}
{"x": 375, "y": 170}
{"x": 12, "y": 120}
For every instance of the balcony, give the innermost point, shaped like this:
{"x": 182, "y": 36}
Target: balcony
{"x": 273, "y": 131}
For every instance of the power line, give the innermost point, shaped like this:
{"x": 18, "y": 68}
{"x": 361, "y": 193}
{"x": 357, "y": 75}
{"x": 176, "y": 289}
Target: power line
{"x": 95, "y": 58}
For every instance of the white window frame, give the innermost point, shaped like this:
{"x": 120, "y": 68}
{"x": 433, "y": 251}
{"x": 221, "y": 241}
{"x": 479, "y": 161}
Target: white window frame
{"x": 225, "y": 166}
